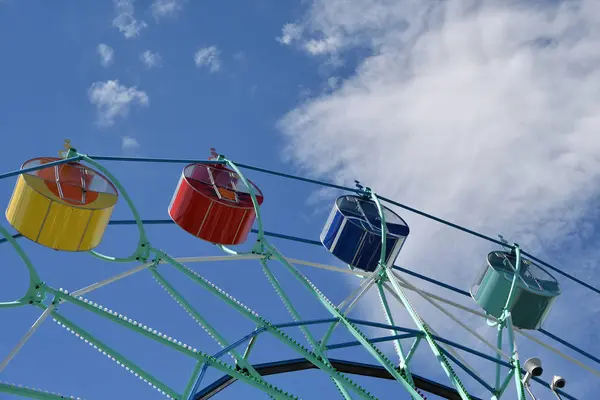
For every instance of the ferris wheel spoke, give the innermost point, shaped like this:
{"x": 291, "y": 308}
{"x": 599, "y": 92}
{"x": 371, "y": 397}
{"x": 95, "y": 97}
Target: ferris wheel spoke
{"x": 110, "y": 280}
{"x": 430, "y": 340}
{"x": 276, "y": 332}
{"x": 165, "y": 340}
{"x": 164, "y": 283}
{"x": 453, "y": 318}
{"x": 191, "y": 386}
{"x": 329, "y": 267}
{"x": 353, "y": 299}
{"x": 113, "y": 355}
{"x": 413, "y": 348}
{"x": 468, "y": 370}
{"x": 559, "y": 353}
{"x": 502, "y": 388}
{"x": 515, "y": 357}
{"x": 36, "y": 325}
{"x": 406, "y": 285}
{"x": 356, "y": 295}
{"x": 396, "y": 343}
{"x": 433, "y": 331}
{"x": 32, "y": 393}
{"x": 469, "y": 310}
{"x": 144, "y": 266}
{"x": 236, "y": 257}
{"x": 305, "y": 330}
{"x": 373, "y": 350}
{"x": 386, "y": 264}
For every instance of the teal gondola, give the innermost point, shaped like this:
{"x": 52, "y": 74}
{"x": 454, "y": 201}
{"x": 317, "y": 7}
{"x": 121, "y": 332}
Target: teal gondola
{"x": 535, "y": 292}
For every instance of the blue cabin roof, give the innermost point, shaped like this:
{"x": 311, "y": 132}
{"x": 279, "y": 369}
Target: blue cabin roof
{"x": 363, "y": 213}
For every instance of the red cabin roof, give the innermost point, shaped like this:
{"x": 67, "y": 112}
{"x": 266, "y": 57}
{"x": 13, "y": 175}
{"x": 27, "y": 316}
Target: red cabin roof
{"x": 221, "y": 184}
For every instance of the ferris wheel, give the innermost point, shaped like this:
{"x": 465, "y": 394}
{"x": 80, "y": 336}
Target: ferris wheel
{"x": 66, "y": 203}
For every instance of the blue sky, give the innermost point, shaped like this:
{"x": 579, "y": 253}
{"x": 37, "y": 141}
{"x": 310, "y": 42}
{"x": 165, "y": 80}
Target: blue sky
{"x": 423, "y": 111}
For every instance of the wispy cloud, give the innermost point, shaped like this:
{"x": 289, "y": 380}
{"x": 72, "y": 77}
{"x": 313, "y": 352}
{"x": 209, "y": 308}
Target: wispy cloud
{"x": 209, "y": 57}
{"x": 129, "y": 143}
{"x": 125, "y": 20}
{"x": 484, "y": 114}
{"x": 166, "y": 8}
{"x": 290, "y": 33}
{"x": 333, "y": 82}
{"x": 150, "y": 59}
{"x": 106, "y": 53}
{"x": 113, "y": 100}
{"x": 295, "y": 34}
{"x": 323, "y": 46}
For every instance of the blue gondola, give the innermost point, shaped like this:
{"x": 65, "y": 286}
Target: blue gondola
{"x": 353, "y": 232}
{"x": 535, "y": 292}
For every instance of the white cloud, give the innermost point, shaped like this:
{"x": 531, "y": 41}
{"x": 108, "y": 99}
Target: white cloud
{"x": 323, "y": 46}
{"x": 106, "y": 54}
{"x": 209, "y": 57}
{"x": 333, "y": 82}
{"x": 166, "y": 8}
{"x": 129, "y": 143}
{"x": 113, "y": 100}
{"x": 150, "y": 59}
{"x": 125, "y": 20}
{"x": 290, "y": 33}
{"x": 483, "y": 113}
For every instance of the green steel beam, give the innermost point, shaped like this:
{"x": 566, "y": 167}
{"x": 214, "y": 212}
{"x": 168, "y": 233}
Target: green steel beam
{"x": 397, "y": 344}
{"x": 372, "y": 349}
{"x": 277, "y": 333}
{"x": 415, "y": 317}
{"x": 38, "y": 290}
{"x": 305, "y": 330}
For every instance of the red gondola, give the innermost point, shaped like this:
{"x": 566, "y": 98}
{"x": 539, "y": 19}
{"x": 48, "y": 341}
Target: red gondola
{"x": 212, "y": 203}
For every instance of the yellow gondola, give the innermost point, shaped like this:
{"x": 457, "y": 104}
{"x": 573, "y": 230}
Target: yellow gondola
{"x": 64, "y": 207}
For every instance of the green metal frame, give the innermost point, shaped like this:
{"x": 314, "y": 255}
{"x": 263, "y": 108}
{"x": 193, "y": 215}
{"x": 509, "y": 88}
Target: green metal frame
{"x": 39, "y": 292}
{"x": 505, "y": 322}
